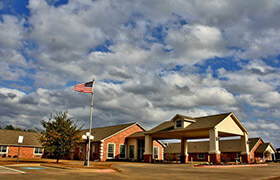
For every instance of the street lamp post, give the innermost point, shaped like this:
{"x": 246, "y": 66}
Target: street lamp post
{"x": 87, "y": 137}
{"x": 20, "y": 141}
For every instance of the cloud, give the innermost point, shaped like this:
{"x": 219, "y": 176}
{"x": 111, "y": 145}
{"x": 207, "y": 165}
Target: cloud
{"x": 194, "y": 43}
{"x": 151, "y": 60}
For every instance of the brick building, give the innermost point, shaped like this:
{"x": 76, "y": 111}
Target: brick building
{"x": 30, "y": 148}
{"x": 214, "y": 128}
{"x": 230, "y": 150}
{"x": 117, "y": 143}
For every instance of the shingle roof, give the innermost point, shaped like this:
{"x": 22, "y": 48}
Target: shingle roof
{"x": 200, "y": 123}
{"x": 203, "y": 146}
{"x": 10, "y": 137}
{"x": 137, "y": 135}
{"x": 104, "y": 132}
{"x": 253, "y": 142}
{"x": 262, "y": 147}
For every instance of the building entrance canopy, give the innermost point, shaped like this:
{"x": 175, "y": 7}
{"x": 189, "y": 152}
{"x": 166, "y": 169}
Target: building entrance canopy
{"x": 212, "y": 127}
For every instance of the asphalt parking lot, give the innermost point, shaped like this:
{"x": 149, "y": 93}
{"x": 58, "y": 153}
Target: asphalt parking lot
{"x": 141, "y": 171}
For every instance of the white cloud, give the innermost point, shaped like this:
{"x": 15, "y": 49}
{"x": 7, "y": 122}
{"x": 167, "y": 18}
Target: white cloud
{"x": 194, "y": 43}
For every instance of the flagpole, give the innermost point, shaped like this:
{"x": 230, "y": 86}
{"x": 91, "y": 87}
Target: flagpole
{"x": 90, "y": 122}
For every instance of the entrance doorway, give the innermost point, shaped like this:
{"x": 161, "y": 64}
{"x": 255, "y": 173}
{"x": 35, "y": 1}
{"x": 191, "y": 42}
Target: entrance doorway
{"x": 140, "y": 149}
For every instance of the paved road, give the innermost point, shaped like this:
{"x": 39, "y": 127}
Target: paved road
{"x": 7, "y": 170}
{"x": 146, "y": 171}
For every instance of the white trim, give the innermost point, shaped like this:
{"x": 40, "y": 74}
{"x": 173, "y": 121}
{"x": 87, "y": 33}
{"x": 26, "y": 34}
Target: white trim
{"x": 255, "y": 144}
{"x": 136, "y": 123}
{"x": 124, "y": 151}
{"x": 7, "y": 149}
{"x": 113, "y": 151}
{"x": 38, "y": 153}
{"x": 157, "y": 152}
{"x": 236, "y": 121}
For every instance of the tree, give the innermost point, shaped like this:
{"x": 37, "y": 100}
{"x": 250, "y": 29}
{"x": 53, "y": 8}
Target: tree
{"x": 10, "y": 127}
{"x": 60, "y": 135}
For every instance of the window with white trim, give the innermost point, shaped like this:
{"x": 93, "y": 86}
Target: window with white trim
{"x": 131, "y": 151}
{"x": 111, "y": 151}
{"x": 156, "y": 152}
{"x": 178, "y": 123}
{"x": 201, "y": 156}
{"x": 122, "y": 151}
{"x": 38, "y": 150}
{"x": 3, "y": 149}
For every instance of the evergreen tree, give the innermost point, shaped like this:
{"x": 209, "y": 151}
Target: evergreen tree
{"x": 60, "y": 135}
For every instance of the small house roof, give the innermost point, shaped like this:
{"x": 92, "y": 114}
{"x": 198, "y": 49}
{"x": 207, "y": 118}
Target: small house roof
{"x": 102, "y": 133}
{"x": 263, "y": 147}
{"x": 10, "y": 137}
{"x": 205, "y": 122}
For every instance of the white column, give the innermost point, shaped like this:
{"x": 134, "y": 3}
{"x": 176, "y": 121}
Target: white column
{"x": 244, "y": 144}
{"x": 148, "y": 144}
{"x": 184, "y": 147}
{"x": 214, "y": 141}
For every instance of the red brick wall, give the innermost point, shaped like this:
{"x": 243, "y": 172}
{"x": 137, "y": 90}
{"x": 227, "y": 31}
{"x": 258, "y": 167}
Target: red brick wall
{"x": 119, "y": 139}
{"x": 229, "y": 156}
{"x": 194, "y": 157}
{"x": 253, "y": 151}
{"x": 25, "y": 152}
{"x": 157, "y": 144}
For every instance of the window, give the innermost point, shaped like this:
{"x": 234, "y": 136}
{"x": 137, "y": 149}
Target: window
{"x": 38, "y": 150}
{"x": 201, "y": 156}
{"x": 3, "y": 149}
{"x": 179, "y": 123}
{"x": 111, "y": 151}
{"x": 131, "y": 151}
{"x": 156, "y": 152}
{"x": 122, "y": 151}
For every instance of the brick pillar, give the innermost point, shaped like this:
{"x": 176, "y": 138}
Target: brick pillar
{"x": 148, "y": 154}
{"x": 148, "y": 158}
{"x": 215, "y": 158}
{"x": 245, "y": 158}
{"x": 184, "y": 151}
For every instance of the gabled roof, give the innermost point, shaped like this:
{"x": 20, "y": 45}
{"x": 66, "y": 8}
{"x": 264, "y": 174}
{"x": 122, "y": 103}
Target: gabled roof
{"x": 10, "y": 137}
{"x": 253, "y": 142}
{"x": 205, "y": 122}
{"x": 208, "y": 121}
{"x": 139, "y": 134}
{"x": 263, "y": 147}
{"x": 182, "y": 117}
{"x": 103, "y": 133}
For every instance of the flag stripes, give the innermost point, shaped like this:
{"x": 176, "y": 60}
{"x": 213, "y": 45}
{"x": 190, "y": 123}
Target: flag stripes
{"x": 84, "y": 87}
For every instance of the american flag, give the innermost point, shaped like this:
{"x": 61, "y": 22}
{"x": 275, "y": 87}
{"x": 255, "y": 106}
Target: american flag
{"x": 84, "y": 87}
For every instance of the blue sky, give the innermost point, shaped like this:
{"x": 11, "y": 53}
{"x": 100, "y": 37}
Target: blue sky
{"x": 151, "y": 60}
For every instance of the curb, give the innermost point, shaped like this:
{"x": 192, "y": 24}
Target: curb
{"x": 230, "y": 166}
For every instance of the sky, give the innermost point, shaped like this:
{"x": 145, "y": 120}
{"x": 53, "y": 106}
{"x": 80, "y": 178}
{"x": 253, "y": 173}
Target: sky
{"x": 151, "y": 60}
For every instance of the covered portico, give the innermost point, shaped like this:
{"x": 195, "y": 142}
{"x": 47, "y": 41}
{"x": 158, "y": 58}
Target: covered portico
{"x": 187, "y": 128}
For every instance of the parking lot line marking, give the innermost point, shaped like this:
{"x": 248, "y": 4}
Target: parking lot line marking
{"x": 12, "y": 169}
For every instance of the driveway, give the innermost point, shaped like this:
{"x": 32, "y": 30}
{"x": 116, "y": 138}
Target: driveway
{"x": 142, "y": 171}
